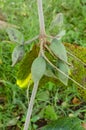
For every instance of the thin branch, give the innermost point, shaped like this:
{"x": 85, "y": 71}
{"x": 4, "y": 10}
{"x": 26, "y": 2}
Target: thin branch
{"x": 62, "y": 71}
{"x": 30, "y": 106}
{"x": 41, "y": 46}
{"x": 49, "y": 36}
{"x": 41, "y": 18}
{"x": 76, "y": 58}
{"x": 31, "y": 40}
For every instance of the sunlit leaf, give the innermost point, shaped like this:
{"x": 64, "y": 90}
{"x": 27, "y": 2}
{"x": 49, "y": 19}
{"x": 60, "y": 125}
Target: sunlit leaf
{"x": 65, "y": 123}
{"x": 25, "y": 82}
{"x": 50, "y": 113}
{"x": 15, "y": 35}
{"x": 38, "y": 68}
{"x": 17, "y": 54}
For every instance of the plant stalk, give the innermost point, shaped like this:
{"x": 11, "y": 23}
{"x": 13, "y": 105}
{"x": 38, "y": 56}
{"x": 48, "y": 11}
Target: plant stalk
{"x": 30, "y": 106}
{"x": 42, "y": 38}
{"x": 41, "y": 18}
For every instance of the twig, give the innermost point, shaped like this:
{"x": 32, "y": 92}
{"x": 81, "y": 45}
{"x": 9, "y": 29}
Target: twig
{"x": 33, "y": 39}
{"x": 30, "y": 106}
{"x": 76, "y": 58}
{"x": 49, "y": 36}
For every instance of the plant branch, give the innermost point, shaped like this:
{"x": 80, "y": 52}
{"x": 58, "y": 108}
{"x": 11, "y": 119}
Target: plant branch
{"x": 76, "y": 58}
{"x": 30, "y": 106}
{"x": 31, "y": 40}
{"x": 41, "y": 18}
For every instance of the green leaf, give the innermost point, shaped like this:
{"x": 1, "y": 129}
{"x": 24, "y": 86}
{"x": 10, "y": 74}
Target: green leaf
{"x": 50, "y": 113}
{"x": 15, "y": 35}
{"x": 50, "y": 72}
{"x": 58, "y": 49}
{"x": 17, "y": 54}
{"x": 60, "y": 34}
{"x": 64, "y": 68}
{"x": 43, "y": 96}
{"x": 65, "y": 123}
{"x": 38, "y": 68}
{"x": 58, "y": 20}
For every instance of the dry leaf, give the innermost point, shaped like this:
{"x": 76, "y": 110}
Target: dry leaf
{"x": 76, "y": 101}
{"x": 5, "y": 25}
{"x": 84, "y": 125}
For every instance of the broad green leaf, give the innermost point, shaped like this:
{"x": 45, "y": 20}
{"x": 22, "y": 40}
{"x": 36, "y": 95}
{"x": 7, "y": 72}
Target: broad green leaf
{"x": 24, "y": 72}
{"x": 58, "y": 49}
{"x": 15, "y": 35}
{"x": 17, "y": 54}
{"x": 38, "y": 68}
{"x": 65, "y": 123}
{"x": 64, "y": 68}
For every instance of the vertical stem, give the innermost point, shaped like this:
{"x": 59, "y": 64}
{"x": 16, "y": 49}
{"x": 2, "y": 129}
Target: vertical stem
{"x": 41, "y": 18}
{"x": 30, "y": 106}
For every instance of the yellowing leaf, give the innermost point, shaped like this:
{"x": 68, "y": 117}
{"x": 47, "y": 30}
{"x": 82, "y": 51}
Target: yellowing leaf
{"x": 24, "y": 82}
{"x": 24, "y": 72}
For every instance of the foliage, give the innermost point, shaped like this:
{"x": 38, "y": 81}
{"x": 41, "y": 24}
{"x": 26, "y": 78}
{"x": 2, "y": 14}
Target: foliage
{"x": 38, "y": 68}
{"x": 53, "y": 96}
